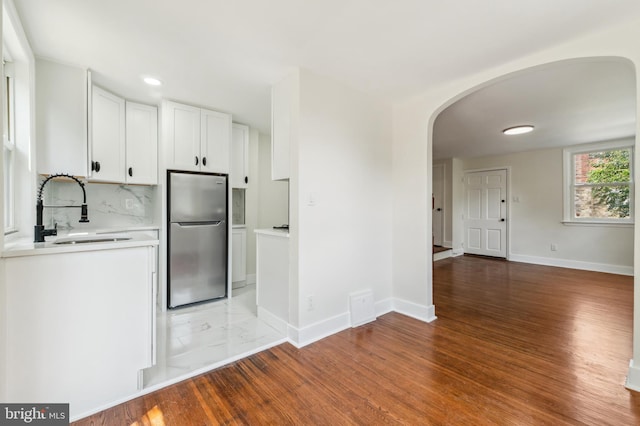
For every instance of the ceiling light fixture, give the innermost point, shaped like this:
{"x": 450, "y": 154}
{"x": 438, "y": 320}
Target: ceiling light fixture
{"x": 152, "y": 81}
{"x": 518, "y": 130}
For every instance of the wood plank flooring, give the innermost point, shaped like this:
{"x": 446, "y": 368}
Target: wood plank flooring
{"x": 514, "y": 344}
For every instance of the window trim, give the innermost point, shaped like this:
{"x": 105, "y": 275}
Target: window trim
{"x": 9, "y": 144}
{"x": 568, "y": 182}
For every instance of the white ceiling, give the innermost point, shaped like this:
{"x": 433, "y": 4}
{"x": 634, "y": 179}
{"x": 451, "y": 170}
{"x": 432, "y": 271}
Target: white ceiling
{"x": 226, "y": 54}
{"x": 568, "y": 103}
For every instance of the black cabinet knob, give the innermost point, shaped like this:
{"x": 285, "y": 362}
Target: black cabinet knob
{"x": 95, "y": 166}
{"x": 502, "y": 220}
{"x": 204, "y": 161}
{"x": 130, "y": 171}
{"x": 439, "y": 209}
{"x": 246, "y": 179}
{"x": 197, "y": 160}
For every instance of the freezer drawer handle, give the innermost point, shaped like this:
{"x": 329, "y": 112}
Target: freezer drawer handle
{"x": 193, "y": 224}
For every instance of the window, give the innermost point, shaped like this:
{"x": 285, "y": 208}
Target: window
{"x": 599, "y": 183}
{"x": 9, "y": 148}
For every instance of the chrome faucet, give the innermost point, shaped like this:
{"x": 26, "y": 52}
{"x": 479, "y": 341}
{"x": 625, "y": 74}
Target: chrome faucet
{"x": 39, "y": 231}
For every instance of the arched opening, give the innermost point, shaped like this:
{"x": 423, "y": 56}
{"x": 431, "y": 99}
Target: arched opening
{"x": 545, "y": 215}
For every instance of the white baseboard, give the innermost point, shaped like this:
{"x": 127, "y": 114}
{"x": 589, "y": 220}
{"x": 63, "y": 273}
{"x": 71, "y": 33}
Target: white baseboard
{"x": 384, "y": 306}
{"x": 414, "y": 310}
{"x": 457, "y": 252}
{"x": 277, "y": 323}
{"x": 442, "y": 255}
{"x": 304, "y": 336}
{"x": 573, "y": 264}
{"x": 300, "y": 337}
{"x": 633, "y": 378}
{"x": 447, "y": 244}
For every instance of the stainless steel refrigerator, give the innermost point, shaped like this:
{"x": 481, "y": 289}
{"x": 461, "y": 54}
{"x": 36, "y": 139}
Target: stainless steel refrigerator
{"x": 197, "y": 237}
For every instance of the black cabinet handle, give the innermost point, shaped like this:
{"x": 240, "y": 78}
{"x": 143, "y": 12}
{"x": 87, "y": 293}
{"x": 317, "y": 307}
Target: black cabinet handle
{"x": 130, "y": 171}
{"x": 439, "y": 209}
{"x": 204, "y": 161}
{"x": 246, "y": 179}
{"x": 95, "y": 166}
{"x": 196, "y": 160}
{"x": 501, "y": 220}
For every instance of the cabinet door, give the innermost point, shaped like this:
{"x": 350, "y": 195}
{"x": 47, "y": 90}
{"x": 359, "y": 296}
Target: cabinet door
{"x": 107, "y": 146}
{"x": 182, "y": 132}
{"x": 239, "y": 255}
{"x": 239, "y": 156}
{"x": 142, "y": 144}
{"x": 215, "y": 141}
{"x": 61, "y": 108}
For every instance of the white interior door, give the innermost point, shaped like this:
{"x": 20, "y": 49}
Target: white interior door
{"x": 438, "y": 204}
{"x": 485, "y": 214}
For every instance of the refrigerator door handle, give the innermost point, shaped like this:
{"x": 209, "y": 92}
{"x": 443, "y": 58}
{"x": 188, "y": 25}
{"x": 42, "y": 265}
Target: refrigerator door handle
{"x": 193, "y": 224}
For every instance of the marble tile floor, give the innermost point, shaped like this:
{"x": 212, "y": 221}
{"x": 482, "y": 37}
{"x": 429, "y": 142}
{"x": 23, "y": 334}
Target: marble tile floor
{"x": 197, "y": 339}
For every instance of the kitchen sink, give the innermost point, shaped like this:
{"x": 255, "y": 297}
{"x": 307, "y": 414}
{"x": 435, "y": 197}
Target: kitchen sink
{"x": 83, "y": 239}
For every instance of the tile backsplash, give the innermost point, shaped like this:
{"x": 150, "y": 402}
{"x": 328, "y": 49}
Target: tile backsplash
{"x": 109, "y": 205}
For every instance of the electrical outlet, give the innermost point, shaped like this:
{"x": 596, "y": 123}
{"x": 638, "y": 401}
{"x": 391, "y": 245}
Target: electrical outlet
{"x": 554, "y": 247}
{"x": 309, "y": 303}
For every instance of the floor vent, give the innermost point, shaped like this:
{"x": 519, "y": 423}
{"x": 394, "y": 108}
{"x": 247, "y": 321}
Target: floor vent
{"x": 362, "y": 308}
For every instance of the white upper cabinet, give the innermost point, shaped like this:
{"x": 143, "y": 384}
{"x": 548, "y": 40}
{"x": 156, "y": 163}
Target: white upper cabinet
{"x": 61, "y": 117}
{"x": 123, "y": 140}
{"x": 284, "y": 119}
{"x": 215, "y": 141}
{"x": 239, "y": 156}
{"x": 107, "y": 136}
{"x": 196, "y": 139}
{"x": 182, "y": 133}
{"x": 142, "y": 144}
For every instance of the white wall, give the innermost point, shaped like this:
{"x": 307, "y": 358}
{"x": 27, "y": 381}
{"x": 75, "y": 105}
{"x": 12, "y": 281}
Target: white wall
{"x": 273, "y": 195}
{"x": 342, "y": 161}
{"x": 535, "y": 221}
{"x": 412, "y": 148}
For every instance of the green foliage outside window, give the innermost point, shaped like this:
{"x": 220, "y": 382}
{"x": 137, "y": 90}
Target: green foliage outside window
{"x": 611, "y": 167}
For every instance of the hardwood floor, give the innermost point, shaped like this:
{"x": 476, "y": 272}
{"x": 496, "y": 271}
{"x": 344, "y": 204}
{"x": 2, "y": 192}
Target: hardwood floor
{"x": 514, "y": 344}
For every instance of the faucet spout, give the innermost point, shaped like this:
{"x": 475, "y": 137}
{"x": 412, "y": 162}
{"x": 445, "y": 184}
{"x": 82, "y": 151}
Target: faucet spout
{"x": 39, "y": 230}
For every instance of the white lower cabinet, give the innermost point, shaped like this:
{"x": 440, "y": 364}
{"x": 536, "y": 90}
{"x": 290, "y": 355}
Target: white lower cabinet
{"x": 239, "y": 256}
{"x": 79, "y": 326}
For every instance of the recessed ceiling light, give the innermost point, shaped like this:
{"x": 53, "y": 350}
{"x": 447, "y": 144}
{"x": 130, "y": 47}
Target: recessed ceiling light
{"x": 152, "y": 81}
{"x": 518, "y": 130}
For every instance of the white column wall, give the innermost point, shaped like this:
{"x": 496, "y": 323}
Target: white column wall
{"x": 341, "y": 195}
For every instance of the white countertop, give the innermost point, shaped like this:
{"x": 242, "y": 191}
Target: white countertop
{"x": 26, "y": 246}
{"x": 284, "y": 233}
